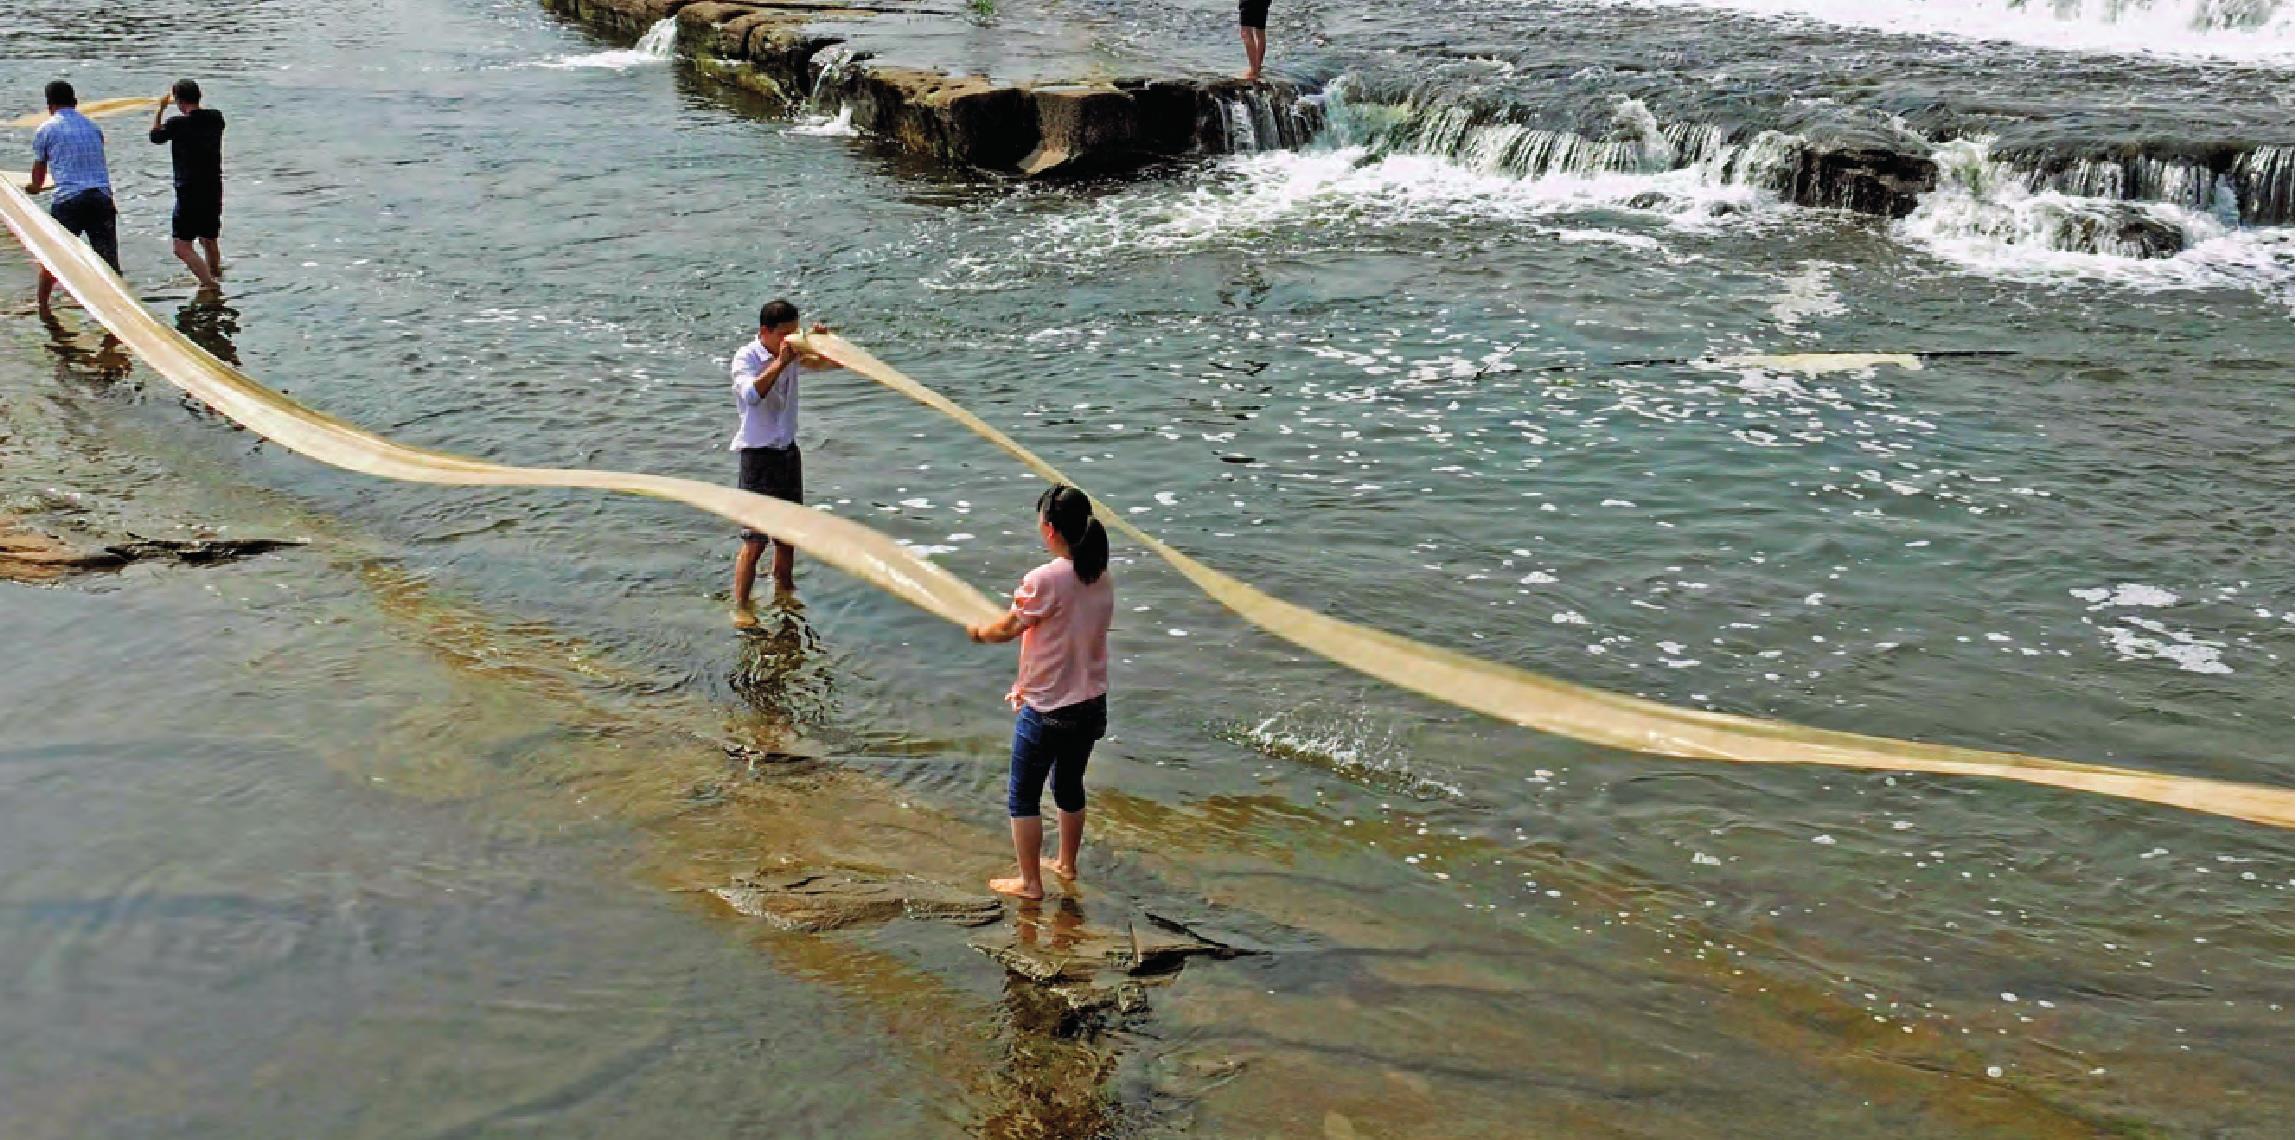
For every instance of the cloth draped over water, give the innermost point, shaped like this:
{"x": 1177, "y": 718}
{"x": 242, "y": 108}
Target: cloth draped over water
{"x": 1501, "y": 691}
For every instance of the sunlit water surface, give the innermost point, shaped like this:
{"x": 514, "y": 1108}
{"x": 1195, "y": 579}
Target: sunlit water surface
{"x": 1369, "y": 383}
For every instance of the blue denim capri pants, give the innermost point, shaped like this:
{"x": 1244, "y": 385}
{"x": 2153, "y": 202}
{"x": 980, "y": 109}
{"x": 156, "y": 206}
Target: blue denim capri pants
{"x": 1055, "y": 744}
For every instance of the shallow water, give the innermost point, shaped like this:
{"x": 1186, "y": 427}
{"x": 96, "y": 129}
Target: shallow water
{"x": 375, "y": 813}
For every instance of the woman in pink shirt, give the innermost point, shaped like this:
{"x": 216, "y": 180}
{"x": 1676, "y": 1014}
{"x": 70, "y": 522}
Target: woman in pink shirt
{"x": 1060, "y": 613}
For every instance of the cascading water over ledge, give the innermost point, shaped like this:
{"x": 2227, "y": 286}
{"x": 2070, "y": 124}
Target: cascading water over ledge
{"x": 2134, "y": 200}
{"x": 2137, "y": 206}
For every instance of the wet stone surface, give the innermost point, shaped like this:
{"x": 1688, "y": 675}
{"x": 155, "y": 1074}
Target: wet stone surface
{"x": 36, "y": 554}
{"x": 821, "y": 900}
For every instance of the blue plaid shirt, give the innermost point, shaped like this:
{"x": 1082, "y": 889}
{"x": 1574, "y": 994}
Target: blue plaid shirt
{"x": 73, "y": 148}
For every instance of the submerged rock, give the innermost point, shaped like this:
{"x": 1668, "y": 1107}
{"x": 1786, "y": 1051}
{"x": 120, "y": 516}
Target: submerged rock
{"x": 2120, "y": 231}
{"x": 818, "y": 900}
{"x": 1092, "y": 969}
{"x": 1865, "y": 179}
{"x": 31, "y": 555}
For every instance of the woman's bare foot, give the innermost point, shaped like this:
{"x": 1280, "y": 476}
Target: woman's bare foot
{"x": 1061, "y": 869}
{"x": 1017, "y": 888}
{"x": 744, "y": 617}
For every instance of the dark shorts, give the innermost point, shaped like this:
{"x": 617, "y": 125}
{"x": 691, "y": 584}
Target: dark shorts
{"x": 1055, "y": 744}
{"x": 1252, "y": 13}
{"x": 198, "y": 214}
{"x": 90, "y": 214}
{"x": 775, "y": 472}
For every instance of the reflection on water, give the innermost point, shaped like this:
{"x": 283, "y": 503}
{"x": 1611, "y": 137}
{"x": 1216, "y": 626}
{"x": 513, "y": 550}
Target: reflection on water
{"x": 1057, "y": 931}
{"x": 211, "y": 324}
{"x": 94, "y": 358}
{"x": 782, "y": 676}
{"x": 1057, "y": 1059}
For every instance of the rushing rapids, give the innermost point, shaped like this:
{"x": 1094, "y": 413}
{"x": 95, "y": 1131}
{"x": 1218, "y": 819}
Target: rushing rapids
{"x": 1571, "y": 107}
{"x": 2138, "y": 206}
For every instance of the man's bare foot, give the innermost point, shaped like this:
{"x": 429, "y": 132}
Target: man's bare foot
{"x": 1017, "y": 888}
{"x": 744, "y": 617}
{"x": 1060, "y": 869}
{"x": 1251, "y": 76}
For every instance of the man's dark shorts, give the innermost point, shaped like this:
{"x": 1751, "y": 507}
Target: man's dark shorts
{"x": 198, "y": 214}
{"x": 776, "y": 472}
{"x": 90, "y": 214}
{"x": 1252, "y": 13}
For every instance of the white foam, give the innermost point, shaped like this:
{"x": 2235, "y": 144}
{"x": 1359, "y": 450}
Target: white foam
{"x": 1353, "y": 747}
{"x": 2124, "y": 595}
{"x": 2187, "y": 652}
{"x": 1808, "y": 295}
{"x": 1252, "y": 194}
{"x": 837, "y": 126}
{"x": 1984, "y": 219}
{"x": 656, "y": 46}
{"x": 2244, "y": 31}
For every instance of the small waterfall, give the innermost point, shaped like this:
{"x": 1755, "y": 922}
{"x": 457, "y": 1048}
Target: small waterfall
{"x": 825, "y": 111}
{"x": 1243, "y": 132}
{"x": 2133, "y": 179}
{"x": 1638, "y": 128}
{"x": 2261, "y": 181}
{"x": 1766, "y": 161}
{"x": 2253, "y": 187}
{"x": 1264, "y": 118}
{"x": 1980, "y": 199}
{"x": 830, "y": 65}
{"x": 660, "y": 41}
{"x": 1492, "y": 142}
{"x": 659, "y": 44}
{"x": 2137, "y": 207}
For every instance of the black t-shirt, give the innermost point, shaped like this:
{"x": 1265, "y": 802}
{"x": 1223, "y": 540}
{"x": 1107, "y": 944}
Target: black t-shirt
{"x": 198, "y": 149}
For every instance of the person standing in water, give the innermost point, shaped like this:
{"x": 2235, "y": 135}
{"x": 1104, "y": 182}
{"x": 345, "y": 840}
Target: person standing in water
{"x": 1252, "y": 20}
{"x": 1061, "y": 614}
{"x": 196, "y": 141}
{"x": 765, "y": 379}
{"x": 70, "y": 150}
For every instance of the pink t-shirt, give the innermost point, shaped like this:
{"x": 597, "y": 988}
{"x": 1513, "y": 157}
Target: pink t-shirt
{"x": 1064, "y": 643}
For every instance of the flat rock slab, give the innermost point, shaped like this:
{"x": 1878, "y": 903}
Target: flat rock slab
{"x": 1093, "y": 968}
{"x": 819, "y": 900}
{"x": 31, "y": 555}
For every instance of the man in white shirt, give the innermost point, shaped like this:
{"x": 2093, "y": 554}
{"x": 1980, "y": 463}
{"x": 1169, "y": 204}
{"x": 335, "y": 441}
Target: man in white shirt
{"x": 765, "y": 389}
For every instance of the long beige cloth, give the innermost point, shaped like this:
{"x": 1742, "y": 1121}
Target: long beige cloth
{"x": 95, "y": 109}
{"x": 1592, "y": 715}
{"x": 1501, "y": 691}
{"x": 849, "y": 546}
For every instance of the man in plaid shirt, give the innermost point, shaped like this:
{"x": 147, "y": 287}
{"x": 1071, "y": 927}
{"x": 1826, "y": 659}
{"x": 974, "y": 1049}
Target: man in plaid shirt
{"x": 71, "y": 149}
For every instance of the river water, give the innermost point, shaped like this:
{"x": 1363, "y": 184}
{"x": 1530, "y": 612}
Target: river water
{"x": 390, "y": 835}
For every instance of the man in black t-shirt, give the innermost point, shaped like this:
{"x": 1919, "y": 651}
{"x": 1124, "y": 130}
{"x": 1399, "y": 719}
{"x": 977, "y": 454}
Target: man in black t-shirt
{"x": 197, "y": 138}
